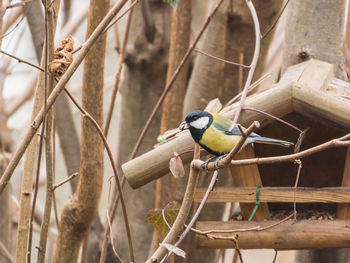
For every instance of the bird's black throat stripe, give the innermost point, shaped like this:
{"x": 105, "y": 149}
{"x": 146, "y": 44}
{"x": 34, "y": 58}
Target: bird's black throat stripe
{"x": 196, "y": 133}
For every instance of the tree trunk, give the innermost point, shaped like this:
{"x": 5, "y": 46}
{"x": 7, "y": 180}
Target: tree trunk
{"x": 315, "y": 29}
{"x": 173, "y": 102}
{"x": 143, "y": 81}
{"x": 80, "y": 210}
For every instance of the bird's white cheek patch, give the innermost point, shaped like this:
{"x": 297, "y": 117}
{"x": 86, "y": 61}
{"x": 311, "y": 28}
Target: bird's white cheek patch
{"x": 200, "y": 123}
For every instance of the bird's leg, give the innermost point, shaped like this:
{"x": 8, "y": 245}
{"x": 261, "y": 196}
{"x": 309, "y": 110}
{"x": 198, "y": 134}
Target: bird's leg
{"x": 218, "y": 159}
{"x": 207, "y": 162}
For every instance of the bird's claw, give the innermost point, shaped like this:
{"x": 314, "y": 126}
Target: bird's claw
{"x": 207, "y": 162}
{"x": 217, "y": 161}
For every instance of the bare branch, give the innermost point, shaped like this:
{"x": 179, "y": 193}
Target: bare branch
{"x": 65, "y": 181}
{"x": 222, "y": 60}
{"x": 275, "y": 22}
{"x": 254, "y": 60}
{"x": 340, "y": 142}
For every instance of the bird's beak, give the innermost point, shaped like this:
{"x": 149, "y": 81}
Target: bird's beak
{"x": 184, "y": 126}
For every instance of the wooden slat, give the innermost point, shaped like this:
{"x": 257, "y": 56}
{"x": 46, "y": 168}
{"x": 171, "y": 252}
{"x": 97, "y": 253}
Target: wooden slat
{"x": 277, "y": 194}
{"x": 290, "y": 234}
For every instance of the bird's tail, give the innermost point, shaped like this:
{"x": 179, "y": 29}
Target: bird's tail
{"x": 267, "y": 140}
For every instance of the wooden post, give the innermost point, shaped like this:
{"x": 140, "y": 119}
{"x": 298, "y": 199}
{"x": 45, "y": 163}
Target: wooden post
{"x": 344, "y": 209}
{"x": 249, "y": 176}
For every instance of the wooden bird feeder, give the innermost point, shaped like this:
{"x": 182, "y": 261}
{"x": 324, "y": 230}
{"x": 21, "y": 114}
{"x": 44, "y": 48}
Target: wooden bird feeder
{"x": 307, "y": 95}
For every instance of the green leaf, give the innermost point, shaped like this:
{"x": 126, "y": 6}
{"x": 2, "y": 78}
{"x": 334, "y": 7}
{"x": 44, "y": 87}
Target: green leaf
{"x": 155, "y": 217}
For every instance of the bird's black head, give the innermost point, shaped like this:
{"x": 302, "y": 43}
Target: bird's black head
{"x": 197, "y": 122}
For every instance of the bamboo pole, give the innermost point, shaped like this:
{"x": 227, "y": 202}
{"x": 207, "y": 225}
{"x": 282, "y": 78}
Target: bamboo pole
{"x": 290, "y": 234}
{"x": 276, "y": 195}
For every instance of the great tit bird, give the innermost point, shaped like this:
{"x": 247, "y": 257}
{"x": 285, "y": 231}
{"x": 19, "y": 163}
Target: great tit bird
{"x": 218, "y": 134}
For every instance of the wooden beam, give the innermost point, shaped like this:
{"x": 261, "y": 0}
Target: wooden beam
{"x": 277, "y": 195}
{"x": 301, "y": 234}
{"x": 321, "y": 105}
{"x": 249, "y": 176}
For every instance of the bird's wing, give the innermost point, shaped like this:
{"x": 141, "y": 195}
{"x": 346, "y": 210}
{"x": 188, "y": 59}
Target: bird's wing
{"x": 221, "y": 123}
{"x": 225, "y": 124}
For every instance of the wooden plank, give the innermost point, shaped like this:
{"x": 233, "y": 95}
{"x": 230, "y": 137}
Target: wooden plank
{"x": 249, "y": 176}
{"x": 277, "y": 194}
{"x": 290, "y": 234}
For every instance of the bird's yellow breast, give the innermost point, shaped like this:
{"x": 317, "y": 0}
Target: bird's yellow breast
{"x": 218, "y": 141}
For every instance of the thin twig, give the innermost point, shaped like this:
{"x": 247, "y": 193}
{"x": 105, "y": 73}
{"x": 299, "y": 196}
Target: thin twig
{"x": 19, "y": 4}
{"x": 105, "y": 241}
{"x": 57, "y": 90}
{"x": 251, "y": 88}
{"x": 106, "y": 234}
{"x": 54, "y": 172}
{"x": 118, "y": 74}
{"x": 254, "y": 60}
{"x": 5, "y": 253}
{"x": 115, "y": 171}
{"x": 275, "y": 257}
{"x": 275, "y": 22}
{"x": 299, "y": 163}
{"x": 245, "y": 134}
{"x": 65, "y": 180}
{"x": 222, "y": 60}
{"x": 21, "y": 60}
{"x": 257, "y": 228}
{"x": 172, "y": 80}
{"x": 273, "y": 117}
{"x": 340, "y": 142}
{"x": 164, "y": 218}
{"x": 112, "y": 242}
{"x": 237, "y": 250}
